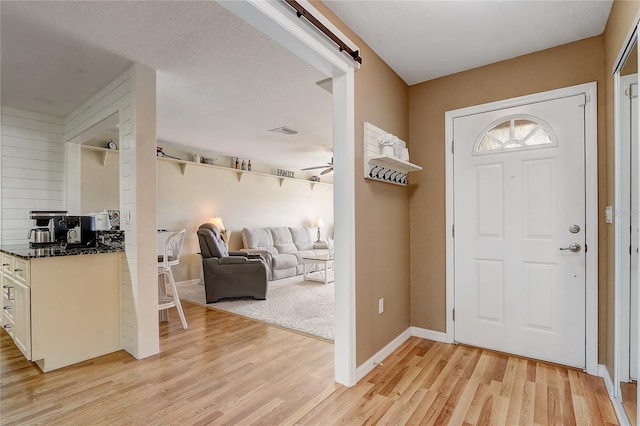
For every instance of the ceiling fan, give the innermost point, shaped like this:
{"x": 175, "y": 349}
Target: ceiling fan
{"x": 328, "y": 168}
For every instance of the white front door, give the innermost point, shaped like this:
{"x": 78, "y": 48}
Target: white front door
{"x": 519, "y": 230}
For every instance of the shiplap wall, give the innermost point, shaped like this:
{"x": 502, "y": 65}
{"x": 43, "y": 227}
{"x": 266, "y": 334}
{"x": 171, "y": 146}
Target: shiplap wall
{"x": 139, "y": 277}
{"x": 32, "y": 170}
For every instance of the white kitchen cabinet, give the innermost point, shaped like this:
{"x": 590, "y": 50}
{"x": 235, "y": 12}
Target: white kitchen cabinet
{"x": 22, "y": 318}
{"x": 7, "y": 307}
{"x": 61, "y": 310}
{"x": 16, "y": 302}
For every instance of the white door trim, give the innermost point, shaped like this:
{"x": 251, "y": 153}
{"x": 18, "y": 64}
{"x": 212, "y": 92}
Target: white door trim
{"x": 623, "y": 56}
{"x": 281, "y": 24}
{"x": 622, "y": 222}
{"x": 591, "y": 201}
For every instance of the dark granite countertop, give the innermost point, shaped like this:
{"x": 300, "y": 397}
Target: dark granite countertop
{"x": 27, "y": 252}
{"x": 109, "y": 242}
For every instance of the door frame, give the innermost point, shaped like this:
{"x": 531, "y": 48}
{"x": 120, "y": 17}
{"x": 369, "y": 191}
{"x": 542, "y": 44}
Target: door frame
{"x": 591, "y": 206}
{"x": 279, "y": 22}
{"x": 623, "y": 211}
{"x": 623, "y": 55}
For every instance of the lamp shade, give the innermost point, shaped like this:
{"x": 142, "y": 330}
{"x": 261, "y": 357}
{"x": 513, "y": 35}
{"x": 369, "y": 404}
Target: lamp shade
{"x": 218, "y": 223}
{"x": 319, "y": 223}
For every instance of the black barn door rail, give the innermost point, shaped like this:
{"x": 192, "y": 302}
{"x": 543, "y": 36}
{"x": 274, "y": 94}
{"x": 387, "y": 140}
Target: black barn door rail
{"x": 301, "y": 11}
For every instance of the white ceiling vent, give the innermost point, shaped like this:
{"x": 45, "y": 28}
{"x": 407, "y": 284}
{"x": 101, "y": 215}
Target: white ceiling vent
{"x": 285, "y": 131}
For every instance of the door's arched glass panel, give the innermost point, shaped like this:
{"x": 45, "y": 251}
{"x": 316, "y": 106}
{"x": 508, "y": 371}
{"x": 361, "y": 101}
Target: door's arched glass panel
{"x": 514, "y": 133}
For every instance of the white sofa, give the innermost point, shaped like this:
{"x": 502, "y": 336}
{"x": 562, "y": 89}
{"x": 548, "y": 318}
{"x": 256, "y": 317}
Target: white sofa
{"x": 283, "y": 248}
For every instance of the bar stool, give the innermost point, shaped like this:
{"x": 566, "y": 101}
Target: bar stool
{"x": 170, "y": 257}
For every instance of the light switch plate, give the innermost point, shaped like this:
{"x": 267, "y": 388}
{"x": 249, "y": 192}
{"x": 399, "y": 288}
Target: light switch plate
{"x": 380, "y": 305}
{"x": 608, "y": 214}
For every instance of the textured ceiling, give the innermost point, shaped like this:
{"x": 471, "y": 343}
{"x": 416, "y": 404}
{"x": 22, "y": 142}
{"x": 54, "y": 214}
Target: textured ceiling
{"x": 423, "y": 40}
{"x": 221, "y": 85}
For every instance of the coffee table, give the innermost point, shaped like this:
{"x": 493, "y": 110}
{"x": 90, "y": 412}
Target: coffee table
{"x": 324, "y": 263}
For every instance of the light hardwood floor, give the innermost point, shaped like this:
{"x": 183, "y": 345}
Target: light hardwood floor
{"x": 230, "y": 370}
{"x": 629, "y": 400}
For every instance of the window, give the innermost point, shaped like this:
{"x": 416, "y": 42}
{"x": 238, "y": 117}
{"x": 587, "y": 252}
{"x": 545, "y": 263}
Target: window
{"x": 512, "y": 134}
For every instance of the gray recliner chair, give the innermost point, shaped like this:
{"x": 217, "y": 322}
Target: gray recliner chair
{"x": 229, "y": 274}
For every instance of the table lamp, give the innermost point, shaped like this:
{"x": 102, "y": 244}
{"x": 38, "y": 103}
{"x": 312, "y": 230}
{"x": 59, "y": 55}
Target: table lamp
{"x": 224, "y": 234}
{"x": 318, "y": 224}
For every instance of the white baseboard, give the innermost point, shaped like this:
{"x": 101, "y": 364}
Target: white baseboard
{"x": 383, "y": 353}
{"x": 188, "y": 282}
{"x": 617, "y": 405}
{"x": 380, "y": 356}
{"x": 604, "y": 373}
{"x": 424, "y": 333}
{"x": 376, "y": 359}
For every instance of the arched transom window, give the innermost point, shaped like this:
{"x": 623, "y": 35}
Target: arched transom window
{"x": 515, "y": 133}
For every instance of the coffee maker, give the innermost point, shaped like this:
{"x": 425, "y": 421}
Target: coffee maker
{"x": 75, "y": 231}
{"x": 44, "y": 232}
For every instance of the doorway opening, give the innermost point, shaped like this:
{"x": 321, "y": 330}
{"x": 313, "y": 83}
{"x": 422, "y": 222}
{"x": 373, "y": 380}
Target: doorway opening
{"x": 281, "y": 25}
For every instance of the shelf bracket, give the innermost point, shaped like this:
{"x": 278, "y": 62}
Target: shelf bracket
{"x": 239, "y": 174}
{"x": 281, "y": 181}
{"x": 183, "y": 168}
{"x": 105, "y": 154}
{"x": 313, "y": 185}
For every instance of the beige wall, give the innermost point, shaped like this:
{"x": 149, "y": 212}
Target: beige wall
{"x": 571, "y": 64}
{"x": 631, "y": 64}
{"x": 563, "y": 66}
{"x": 410, "y": 273}
{"x": 618, "y": 26}
{"x": 186, "y": 201}
{"x": 100, "y": 187}
{"x": 382, "y": 210}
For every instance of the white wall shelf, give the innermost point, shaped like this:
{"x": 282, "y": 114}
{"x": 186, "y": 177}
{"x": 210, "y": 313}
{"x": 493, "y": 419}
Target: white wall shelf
{"x": 103, "y": 152}
{"x": 393, "y": 163}
{"x": 383, "y": 168}
{"x": 184, "y": 164}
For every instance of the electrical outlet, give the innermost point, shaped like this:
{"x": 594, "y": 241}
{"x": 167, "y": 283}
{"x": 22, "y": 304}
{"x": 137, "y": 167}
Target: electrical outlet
{"x": 608, "y": 214}
{"x": 380, "y": 305}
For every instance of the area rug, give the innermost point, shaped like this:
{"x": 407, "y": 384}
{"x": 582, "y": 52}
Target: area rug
{"x": 304, "y": 306}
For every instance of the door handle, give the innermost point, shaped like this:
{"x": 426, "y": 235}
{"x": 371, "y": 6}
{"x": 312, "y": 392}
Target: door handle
{"x": 573, "y": 247}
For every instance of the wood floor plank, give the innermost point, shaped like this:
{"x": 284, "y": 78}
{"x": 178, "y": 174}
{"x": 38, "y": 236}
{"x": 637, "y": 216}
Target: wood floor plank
{"x": 568, "y": 412}
{"x": 527, "y": 408}
{"x": 226, "y": 369}
{"x": 500, "y": 404}
{"x": 423, "y": 409}
{"x": 400, "y": 412}
{"x": 516, "y": 392}
{"x": 629, "y": 400}
{"x": 474, "y": 410}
